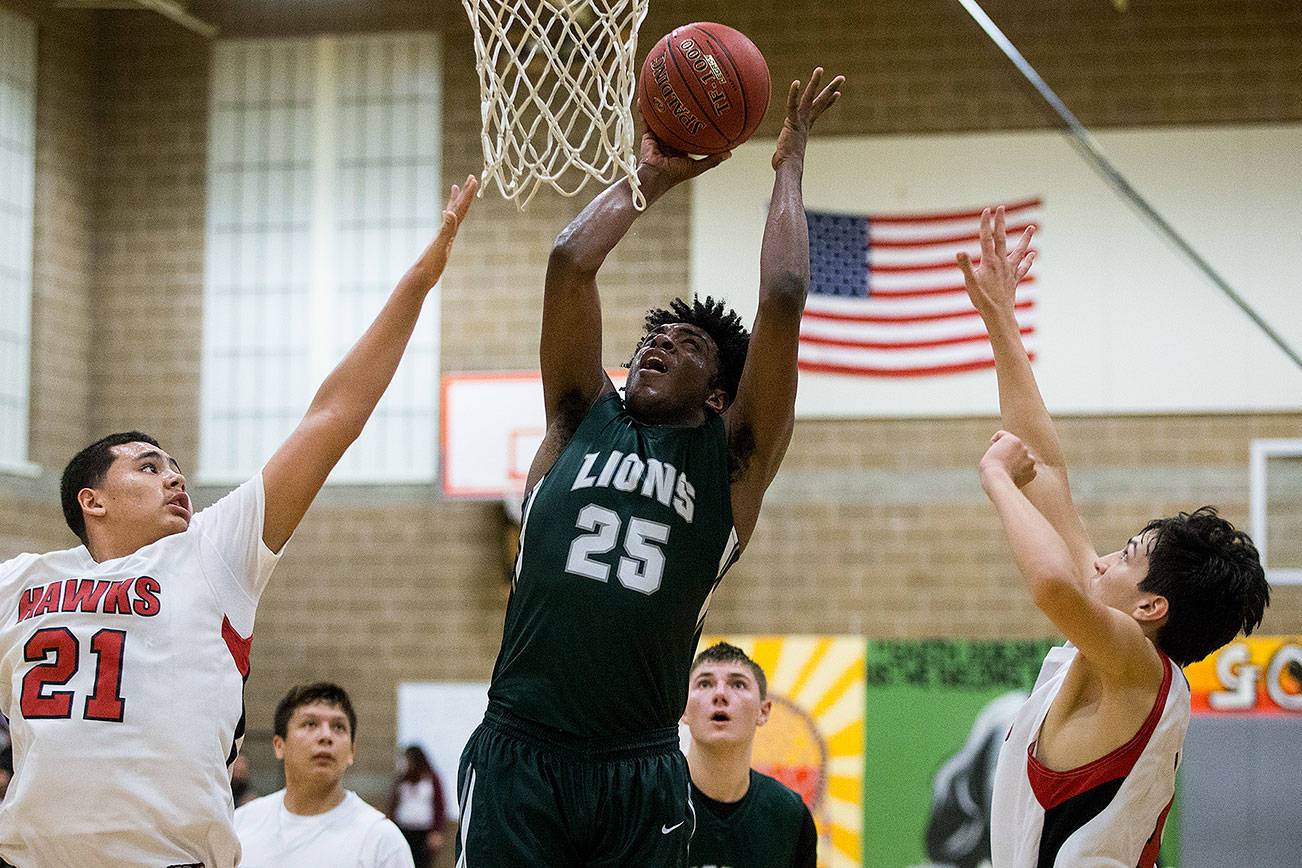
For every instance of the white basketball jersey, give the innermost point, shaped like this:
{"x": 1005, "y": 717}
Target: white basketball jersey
{"x": 350, "y": 835}
{"x": 1106, "y": 814}
{"x": 123, "y": 682}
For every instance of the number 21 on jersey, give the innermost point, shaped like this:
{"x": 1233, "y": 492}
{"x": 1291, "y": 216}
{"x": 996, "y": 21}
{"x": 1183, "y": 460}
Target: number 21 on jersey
{"x": 57, "y": 655}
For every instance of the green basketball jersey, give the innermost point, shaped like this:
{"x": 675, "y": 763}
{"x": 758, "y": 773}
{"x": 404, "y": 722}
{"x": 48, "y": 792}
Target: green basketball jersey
{"x": 621, "y": 545}
{"x": 769, "y": 828}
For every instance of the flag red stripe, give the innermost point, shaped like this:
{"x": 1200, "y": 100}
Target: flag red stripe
{"x": 969, "y": 214}
{"x": 922, "y": 291}
{"x": 923, "y": 317}
{"x": 903, "y": 345}
{"x": 965, "y": 238}
{"x": 942, "y": 265}
{"x": 958, "y": 368}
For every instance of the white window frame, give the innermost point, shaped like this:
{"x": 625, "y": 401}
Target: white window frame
{"x": 17, "y": 229}
{"x": 1262, "y": 451}
{"x": 348, "y": 156}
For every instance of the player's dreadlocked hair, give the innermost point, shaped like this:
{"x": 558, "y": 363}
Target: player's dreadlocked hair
{"x": 722, "y": 325}
{"x": 1211, "y": 576}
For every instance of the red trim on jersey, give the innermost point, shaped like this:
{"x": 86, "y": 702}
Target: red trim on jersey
{"x": 238, "y": 645}
{"x": 1148, "y": 859}
{"x": 1052, "y": 788}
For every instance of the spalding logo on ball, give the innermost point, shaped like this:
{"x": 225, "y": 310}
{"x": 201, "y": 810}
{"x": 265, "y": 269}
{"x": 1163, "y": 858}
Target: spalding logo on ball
{"x": 704, "y": 88}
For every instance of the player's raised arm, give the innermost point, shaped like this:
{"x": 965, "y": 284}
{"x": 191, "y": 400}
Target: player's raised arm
{"x": 346, "y": 398}
{"x": 992, "y": 286}
{"x": 1110, "y": 638}
{"x": 570, "y": 349}
{"x": 761, "y": 418}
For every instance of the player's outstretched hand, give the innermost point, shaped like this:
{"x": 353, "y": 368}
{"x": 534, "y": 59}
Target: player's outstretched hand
{"x": 431, "y": 263}
{"x": 664, "y": 166}
{"x": 1008, "y": 456}
{"x": 992, "y": 283}
{"x": 804, "y": 105}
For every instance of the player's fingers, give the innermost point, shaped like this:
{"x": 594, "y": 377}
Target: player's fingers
{"x": 832, "y": 91}
{"x": 829, "y": 95}
{"x": 468, "y": 191}
{"x": 1024, "y": 243}
{"x": 706, "y": 163}
{"x": 987, "y": 234}
{"x": 1024, "y": 267}
{"x": 814, "y": 79}
{"x": 793, "y": 97}
{"x": 1001, "y": 241}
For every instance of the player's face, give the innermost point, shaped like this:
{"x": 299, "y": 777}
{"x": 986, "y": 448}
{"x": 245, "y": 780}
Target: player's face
{"x": 671, "y": 374}
{"x": 318, "y": 744}
{"x": 144, "y": 488}
{"x": 1117, "y": 575}
{"x": 724, "y": 705}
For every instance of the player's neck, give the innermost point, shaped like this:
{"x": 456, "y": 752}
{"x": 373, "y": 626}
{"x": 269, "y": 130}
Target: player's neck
{"x": 104, "y": 546}
{"x": 721, "y": 772}
{"x": 308, "y": 801}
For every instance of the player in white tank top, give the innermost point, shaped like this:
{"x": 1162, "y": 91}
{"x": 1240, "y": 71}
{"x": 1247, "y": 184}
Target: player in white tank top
{"x": 122, "y": 660}
{"x": 1107, "y": 813}
{"x": 1086, "y": 775}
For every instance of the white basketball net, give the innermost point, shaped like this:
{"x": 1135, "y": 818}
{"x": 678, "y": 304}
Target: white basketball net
{"x": 556, "y": 81}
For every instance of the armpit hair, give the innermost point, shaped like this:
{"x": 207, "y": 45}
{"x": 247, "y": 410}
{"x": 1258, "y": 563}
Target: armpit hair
{"x": 741, "y": 448}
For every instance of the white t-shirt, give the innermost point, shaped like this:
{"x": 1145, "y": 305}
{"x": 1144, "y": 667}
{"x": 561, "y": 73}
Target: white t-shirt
{"x": 123, "y": 682}
{"x": 350, "y": 835}
{"x": 415, "y": 808}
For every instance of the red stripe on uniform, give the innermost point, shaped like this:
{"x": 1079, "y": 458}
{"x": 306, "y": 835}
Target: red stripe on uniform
{"x": 238, "y": 645}
{"x": 1052, "y": 788}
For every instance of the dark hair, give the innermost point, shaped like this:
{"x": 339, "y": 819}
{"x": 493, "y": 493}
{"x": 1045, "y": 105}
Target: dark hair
{"x": 418, "y": 766}
{"x": 86, "y": 470}
{"x": 308, "y": 694}
{"x": 722, "y": 652}
{"x": 1212, "y": 579}
{"x": 722, "y": 325}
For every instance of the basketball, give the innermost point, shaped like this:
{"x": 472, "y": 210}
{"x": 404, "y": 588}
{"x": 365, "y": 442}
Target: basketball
{"x": 704, "y": 88}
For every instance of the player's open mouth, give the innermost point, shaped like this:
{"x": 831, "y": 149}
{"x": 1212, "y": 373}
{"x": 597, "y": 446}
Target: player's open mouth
{"x": 720, "y": 717}
{"x": 653, "y": 363}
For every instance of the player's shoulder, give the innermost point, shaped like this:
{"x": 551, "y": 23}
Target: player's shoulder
{"x": 773, "y": 790}
{"x": 256, "y": 810}
{"x": 62, "y": 561}
{"x": 379, "y": 834}
{"x": 360, "y": 806}
{"x": 364, "y": 814}
{"x": 246, "y": 495}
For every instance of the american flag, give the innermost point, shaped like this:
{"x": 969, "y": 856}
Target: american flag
{"x": 887, "y": 299}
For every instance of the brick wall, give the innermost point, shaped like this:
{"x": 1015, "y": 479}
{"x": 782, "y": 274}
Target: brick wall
{"x": 874, "y": 527}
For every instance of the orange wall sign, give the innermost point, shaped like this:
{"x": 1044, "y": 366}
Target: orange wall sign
{"x": 1259, "y": 675}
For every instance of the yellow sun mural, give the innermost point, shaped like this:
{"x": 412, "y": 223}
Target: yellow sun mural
{"x": 814, "y": 740}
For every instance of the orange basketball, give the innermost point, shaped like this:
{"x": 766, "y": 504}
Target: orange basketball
{"x": 704, "y": 88}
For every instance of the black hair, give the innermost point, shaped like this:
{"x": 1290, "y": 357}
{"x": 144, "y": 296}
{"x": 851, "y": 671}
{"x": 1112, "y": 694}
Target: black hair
{"x": 86, "y": 470}
{"x": 1213, "y": 581}
{"x": 324, "y": 692}
{"x": 724, "y": 327}
{"x": 418, "y": 765}
{"x": 722, "y": 652}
